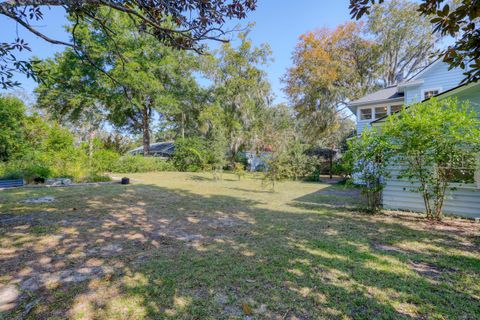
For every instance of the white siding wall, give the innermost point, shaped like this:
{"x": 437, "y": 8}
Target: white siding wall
{"x": 438, "y": 77}
{"x": 464, "y": 201}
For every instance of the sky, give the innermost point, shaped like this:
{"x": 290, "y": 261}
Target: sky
{"x": 277, "y": 22}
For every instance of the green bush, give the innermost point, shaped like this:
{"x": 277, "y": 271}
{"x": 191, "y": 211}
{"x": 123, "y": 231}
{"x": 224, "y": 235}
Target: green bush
{"x": 97, "y": 178}
{"x": 104, "y": 161}
{"x": 138, "y": 163}
{"x": 28, "y": 170}
{"x": 190, "y": 154}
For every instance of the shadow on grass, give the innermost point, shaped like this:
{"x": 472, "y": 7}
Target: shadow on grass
{"x": 143, "y": 251}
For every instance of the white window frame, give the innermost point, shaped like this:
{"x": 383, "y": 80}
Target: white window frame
{"x": 381, "y": 106}
{"x": 374, "y": 114}
{"x": 359, "y": 114}
{"x": 439, "y": 89}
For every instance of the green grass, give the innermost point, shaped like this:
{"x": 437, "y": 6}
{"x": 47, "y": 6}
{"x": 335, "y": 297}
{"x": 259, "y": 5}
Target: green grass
{"x": 181, "y": 246}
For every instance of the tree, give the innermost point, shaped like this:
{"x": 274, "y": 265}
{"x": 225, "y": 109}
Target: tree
{"x": 192, "y": 21}
{"x": 436, "y": 142}
{"x": 330, "y": 68}
{"x": 12, "y": 114}
{"x": 146, "y": 78}
{"x": 241, "y": 89}
{"x": 458, "y": 20}
{"x": 190, "y": 154}
{"x": 70, "y": 94}
{"x": 212, "y": 126}
{"x": 406, "y": 41}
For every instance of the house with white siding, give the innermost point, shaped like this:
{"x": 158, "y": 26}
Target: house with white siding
{"x": 434, "y": 81}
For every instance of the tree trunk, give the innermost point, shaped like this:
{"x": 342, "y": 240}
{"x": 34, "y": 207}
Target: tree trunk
{"x": 146, "y": 131}
{"x": 91, "y": 136}
{"x": 330, "y": 155}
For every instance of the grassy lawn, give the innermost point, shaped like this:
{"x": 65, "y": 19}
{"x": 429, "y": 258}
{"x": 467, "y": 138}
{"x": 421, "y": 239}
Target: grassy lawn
{"x": 181, "y": 246}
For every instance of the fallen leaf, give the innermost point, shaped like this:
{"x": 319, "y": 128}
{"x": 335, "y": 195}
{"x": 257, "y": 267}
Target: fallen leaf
{"x": 246, "y": 309}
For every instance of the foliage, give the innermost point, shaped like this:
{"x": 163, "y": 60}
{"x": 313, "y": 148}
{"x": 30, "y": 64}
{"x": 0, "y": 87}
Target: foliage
{"x": 290, "y": 162}
{"x": 12, "y": 113}
{"x": 239, "y": 170}
{"x": 97, "y": 178}
{"x": 458, "y": 19}
{"x": 406, "y": 42}
{"x": 192, "y": 22}
{"x": 131, "y": 164}
{"x": 241, "y": 90}
{"x": 367, "y": 158}
{"x": 212, "y": 125}
{"x": 104, "y": 160}
{"x": 24, "y": 169}
{"x": 330, "y": 67}
{"x": 190, "y": 154}
{"x": 145, "y": 80}
{"x": 436, "y": 142}
{"x": 117, "y": 143}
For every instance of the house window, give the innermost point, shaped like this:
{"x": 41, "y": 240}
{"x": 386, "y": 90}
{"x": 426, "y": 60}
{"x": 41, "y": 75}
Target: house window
{"x": 394, "y": 109}
{"x": 461, "y": 170}
{"x": 380, "y": 112}
{"x": 366, "y": 114}
{"x": 430, "y": 93}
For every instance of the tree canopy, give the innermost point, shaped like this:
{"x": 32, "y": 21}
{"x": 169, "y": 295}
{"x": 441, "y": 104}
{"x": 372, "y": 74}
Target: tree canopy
{"x": 147, "y": 77}
{"x": 458, "y": 19}
{"x": 330, "y": 68}
{"x": 189, "y": 23}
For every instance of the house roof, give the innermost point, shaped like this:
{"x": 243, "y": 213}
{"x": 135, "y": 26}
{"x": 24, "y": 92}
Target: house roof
{"x": 382, "y": 95}
{"x": 162, "y": 149}
{"x": 393, "y": 92}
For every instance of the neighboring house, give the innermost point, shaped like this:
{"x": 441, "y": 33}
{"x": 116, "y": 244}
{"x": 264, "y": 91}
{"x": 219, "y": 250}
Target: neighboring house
{"x": 435, "y": 80}
{"x": 159, "y": 149}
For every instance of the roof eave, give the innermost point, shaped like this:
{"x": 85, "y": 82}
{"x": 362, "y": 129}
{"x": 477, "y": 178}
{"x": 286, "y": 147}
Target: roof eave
{"x": 366, "y": 103}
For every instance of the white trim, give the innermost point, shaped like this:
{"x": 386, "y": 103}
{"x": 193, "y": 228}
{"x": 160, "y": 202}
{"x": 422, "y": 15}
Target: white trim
{"x": 439, "y": 89}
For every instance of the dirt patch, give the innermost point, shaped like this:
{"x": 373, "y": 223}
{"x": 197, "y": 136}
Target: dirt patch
{"x": 9, "y": 295}
{"x": 65, "y": 276}
{"x": 39, "y": 200}
{"x": 388, "y": 248}
{"x": 426, "y": 269}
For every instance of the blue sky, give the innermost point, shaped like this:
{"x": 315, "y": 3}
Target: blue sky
{"x": 278, "y": 23}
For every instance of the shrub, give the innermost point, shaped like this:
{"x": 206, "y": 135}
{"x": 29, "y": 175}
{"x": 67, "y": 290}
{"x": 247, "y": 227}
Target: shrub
{"x": 97, "y": 178}
{"x": 239, "y": 170}
{"x": 28, "y": 170}
{"x": 367, "y": 159}
{"x": 104, "y": 161}
{"x": 436, "y": 142}
{"x": 190, "y": 154}
{"x": 138, "y": 163}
